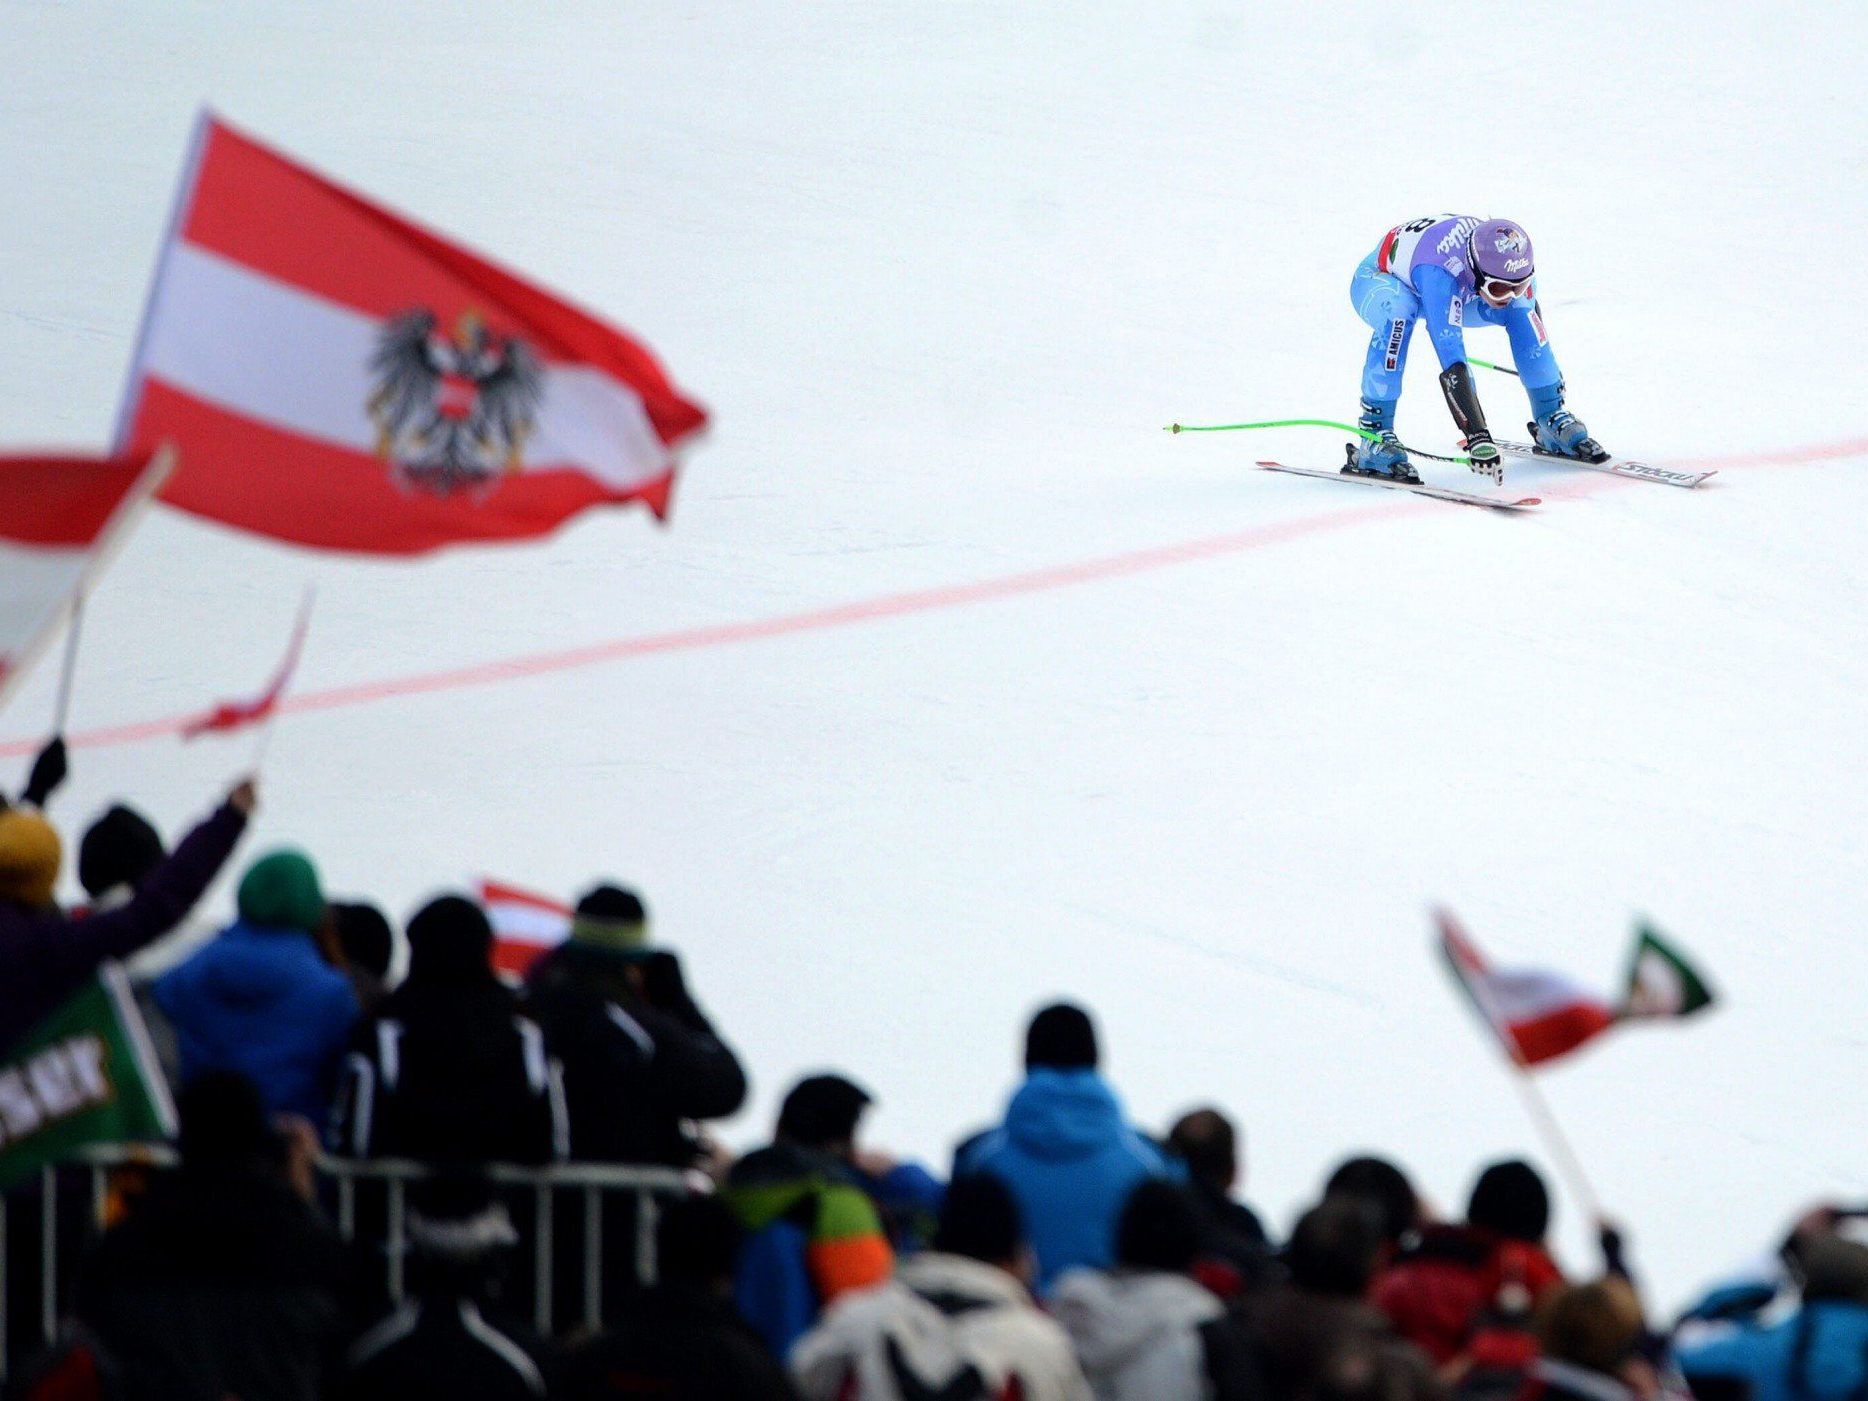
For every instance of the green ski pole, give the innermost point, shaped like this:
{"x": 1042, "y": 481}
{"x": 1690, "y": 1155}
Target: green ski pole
{"x": 1310, "y": 423}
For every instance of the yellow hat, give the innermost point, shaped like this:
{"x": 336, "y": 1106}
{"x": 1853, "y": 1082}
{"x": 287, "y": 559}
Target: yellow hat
{"x": 30, "y": 852}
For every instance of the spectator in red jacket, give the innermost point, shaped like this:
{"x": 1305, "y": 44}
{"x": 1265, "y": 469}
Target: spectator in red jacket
{"x": 1444, "y": 1289}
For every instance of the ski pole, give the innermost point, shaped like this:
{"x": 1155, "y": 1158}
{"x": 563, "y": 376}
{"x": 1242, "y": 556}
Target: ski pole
{"x": 1488, "y": 365}
{"x": 1310, "y": 423}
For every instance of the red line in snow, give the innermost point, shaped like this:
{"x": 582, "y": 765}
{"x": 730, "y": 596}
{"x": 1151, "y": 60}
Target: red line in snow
{"x": 895, "y": 605}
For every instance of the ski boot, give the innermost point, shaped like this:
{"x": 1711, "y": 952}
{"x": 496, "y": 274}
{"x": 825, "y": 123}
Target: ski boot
{"x": 1383, "y": 458}
{"x": 1556, "y": 430}
{"x": 1564, "y": 434}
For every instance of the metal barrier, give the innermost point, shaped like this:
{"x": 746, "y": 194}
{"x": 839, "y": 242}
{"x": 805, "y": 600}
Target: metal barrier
{"x": 591, "y": 1180}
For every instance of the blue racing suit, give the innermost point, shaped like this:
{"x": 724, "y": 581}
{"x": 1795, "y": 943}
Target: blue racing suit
{"x": 1420, "y": 273}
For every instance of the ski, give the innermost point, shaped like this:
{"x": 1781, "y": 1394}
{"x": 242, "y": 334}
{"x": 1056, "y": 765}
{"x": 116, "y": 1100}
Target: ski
{"x": 1620, "y": 466}
{"x": 1438, "y": 493}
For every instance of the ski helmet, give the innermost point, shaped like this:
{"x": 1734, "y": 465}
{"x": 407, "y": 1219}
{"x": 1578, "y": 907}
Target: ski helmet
{"x": 1500, "y": 252}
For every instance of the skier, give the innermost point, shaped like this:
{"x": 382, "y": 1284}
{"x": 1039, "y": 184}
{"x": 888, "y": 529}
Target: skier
{"x": 1453, "y": 269}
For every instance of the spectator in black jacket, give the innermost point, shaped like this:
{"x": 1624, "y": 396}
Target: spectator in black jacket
{"x": 640, "y": 1061}
{"x": 47, "y": 956}
{"x": 682, "y": 1341}
{"x": 1235, "y": 1254}
{"x": 1317, "y": 1336}
{"x": 223, "y": 1280}
{"x": 640, "y": 1058}
{"x": 368, "y": 943}
{"x": 450, "y": 1070}
{"x": 448, "y": 1339}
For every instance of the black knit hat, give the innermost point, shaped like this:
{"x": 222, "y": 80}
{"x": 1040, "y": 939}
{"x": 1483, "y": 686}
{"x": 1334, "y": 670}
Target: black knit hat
{"x": 1511, "y": 1199}
{"x": 363, "y": 933}
{"x": 1335, "y": 1245}
{"x": 450, "y": 941}
{"x": 1159, "y": 1228}
{"x": 979, "y": 1219}
{"x": 1383, "y": 1185}
{"x": 822, "y": 1110}
{"x": 1061, "y": 1037}
{"x": 121, "y": 848}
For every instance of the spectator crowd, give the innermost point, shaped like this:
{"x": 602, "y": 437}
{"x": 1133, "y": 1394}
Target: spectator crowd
{"x": 1066, "y": 1254}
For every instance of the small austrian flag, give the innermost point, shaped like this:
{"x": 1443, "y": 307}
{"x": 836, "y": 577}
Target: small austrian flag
{"x": 340, "y": 377}
{"x": 524, "y": 925}
{"x": 238, "y": 714}
{"x": 60, "y": 518}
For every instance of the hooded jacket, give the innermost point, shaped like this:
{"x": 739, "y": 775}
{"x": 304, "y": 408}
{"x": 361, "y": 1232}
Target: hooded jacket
{"x": 1820, "y": 1353}
{"x": 1138, "y": 1332}
{"x": 264, "y": 1003}
{"x": 1071, "y": 1161}
{"x": 48, "y": 957}
{"x": 944, "y": 1313}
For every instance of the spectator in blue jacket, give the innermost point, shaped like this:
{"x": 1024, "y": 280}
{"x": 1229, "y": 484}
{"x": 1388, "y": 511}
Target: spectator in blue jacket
{"x": 1819, "y": 1353}
{"x": 262, "y": 999}
{"x": 1065, "y": 1149}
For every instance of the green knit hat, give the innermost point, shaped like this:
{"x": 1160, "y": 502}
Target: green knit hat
{"x": 281, "y": 891}
{"x": 612, "y": 918}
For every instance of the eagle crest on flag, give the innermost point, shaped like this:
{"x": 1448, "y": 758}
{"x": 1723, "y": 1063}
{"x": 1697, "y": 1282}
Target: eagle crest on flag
{"x": 453, "y": 409}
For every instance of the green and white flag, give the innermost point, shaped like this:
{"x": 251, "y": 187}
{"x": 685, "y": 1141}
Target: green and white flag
{"x": 1661, "y": 983}
{"x": 86, "y": 1075}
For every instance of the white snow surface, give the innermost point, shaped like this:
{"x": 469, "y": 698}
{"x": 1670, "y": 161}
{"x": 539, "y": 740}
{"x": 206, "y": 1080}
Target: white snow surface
{"x": 942, "y": 271}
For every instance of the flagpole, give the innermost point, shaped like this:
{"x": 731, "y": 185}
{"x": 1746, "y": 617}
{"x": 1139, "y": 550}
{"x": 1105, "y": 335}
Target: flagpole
{"x": 264, "y": 742}
{"x": 271, "y": 721}
{"x": 61, "y": 710}
{"x": 1562, "y": 1152}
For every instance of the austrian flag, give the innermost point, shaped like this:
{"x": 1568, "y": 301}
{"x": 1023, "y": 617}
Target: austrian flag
{"x": 525, "y": 926}
{"x": 337, "y": 376}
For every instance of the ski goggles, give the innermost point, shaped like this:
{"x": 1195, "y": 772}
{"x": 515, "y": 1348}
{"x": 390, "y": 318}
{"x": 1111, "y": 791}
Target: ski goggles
{"x": 1498, "y": 289}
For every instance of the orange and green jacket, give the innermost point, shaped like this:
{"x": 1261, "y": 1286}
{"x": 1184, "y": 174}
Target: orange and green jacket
{"x": 814, "y": 1235}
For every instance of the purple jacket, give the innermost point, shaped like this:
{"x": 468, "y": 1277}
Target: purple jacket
{"x": 46, "y": 956}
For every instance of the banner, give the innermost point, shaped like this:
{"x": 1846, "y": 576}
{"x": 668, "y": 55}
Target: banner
{"x": 339, "y": 377}
{"x": 86, "y": 1075}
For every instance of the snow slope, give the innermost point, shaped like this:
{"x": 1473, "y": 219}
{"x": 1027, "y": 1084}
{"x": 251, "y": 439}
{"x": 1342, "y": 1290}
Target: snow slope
{"x": 942, "y": 271}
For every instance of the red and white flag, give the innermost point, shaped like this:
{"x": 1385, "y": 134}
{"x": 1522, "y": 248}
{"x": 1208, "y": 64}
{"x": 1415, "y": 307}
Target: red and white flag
{"x": 1537, "y": 1016}
{"x": 60, "y": 517}
{"x": 238, "y": 714}
{"x": 524, "y": 925}
{"x": 337, "y": 376}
